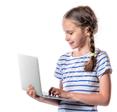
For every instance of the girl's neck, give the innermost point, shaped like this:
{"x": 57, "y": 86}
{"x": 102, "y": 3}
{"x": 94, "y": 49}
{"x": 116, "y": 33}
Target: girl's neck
{"x": 79, "y": 52}
{"x": 82, "y": 50}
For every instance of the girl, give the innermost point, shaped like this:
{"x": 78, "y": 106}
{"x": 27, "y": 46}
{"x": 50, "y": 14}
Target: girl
{"x": 85, "y": 72}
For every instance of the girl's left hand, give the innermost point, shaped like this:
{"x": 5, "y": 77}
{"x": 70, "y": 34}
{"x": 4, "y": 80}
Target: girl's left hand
{"x": 58, "y": 92}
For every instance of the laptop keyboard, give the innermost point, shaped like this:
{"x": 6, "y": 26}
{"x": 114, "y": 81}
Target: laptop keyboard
{"x": 49, "y": 96}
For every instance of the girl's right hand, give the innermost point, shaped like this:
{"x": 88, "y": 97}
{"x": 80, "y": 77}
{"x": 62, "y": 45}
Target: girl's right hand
{"x": 31, "y": 91}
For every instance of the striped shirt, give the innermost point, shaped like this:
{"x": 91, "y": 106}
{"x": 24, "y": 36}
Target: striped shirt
{"x": 70, "y": 70}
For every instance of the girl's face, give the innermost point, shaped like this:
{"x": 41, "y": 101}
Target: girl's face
{"x": 75, "y": 36}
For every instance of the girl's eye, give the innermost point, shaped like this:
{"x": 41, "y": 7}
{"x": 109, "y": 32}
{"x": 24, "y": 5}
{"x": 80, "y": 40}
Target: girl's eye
{"x": 70, "y": 33}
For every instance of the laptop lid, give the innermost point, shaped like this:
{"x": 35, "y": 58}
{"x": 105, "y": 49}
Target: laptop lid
{"x": 29, "y": 72}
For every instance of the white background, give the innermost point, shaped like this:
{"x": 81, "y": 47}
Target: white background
{"x": 34, "y": 27}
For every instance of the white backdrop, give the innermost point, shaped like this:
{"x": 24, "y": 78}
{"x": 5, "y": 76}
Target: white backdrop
{"x": 33, "y": 27}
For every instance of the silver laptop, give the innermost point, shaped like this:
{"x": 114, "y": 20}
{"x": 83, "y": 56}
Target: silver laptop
{"x": 29, "y": 73}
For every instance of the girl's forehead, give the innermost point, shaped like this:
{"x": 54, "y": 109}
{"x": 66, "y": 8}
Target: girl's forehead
{"x": 69, "y": 24}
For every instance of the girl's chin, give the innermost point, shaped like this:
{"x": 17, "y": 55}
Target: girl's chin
{"x": 73, "y": 47}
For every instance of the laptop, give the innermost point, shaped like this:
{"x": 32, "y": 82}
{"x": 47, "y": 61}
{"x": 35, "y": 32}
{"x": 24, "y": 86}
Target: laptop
{"x": 30, "y": 74}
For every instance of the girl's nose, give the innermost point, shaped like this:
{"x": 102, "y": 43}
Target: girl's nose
{"x": 67, "y": 38}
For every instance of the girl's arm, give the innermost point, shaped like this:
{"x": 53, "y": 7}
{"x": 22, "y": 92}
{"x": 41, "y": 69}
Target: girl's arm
{"x": 101, "y": 98}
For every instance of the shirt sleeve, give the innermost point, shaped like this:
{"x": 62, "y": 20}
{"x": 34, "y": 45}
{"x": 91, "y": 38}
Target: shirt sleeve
{"x": 103, "y": 64}
{"x": 58, "y": 71}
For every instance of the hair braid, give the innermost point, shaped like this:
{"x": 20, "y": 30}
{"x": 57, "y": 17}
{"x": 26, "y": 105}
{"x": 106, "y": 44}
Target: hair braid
{"x": 92, "y": 62}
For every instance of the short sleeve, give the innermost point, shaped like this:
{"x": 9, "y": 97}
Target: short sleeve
{"x": 103, "y": 64}
{"x": 58, "y": 71}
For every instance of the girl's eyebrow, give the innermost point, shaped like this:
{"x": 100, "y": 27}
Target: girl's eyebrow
{"x": 69, "y": 31}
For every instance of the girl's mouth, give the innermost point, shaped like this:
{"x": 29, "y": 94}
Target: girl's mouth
{"x": 71, "y": 43}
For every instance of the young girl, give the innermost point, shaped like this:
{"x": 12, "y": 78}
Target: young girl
{"x": 85, "y": 72}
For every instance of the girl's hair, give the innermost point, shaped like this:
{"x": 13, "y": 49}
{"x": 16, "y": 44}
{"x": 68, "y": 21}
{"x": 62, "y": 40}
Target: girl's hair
{"x": 84, "y": 16}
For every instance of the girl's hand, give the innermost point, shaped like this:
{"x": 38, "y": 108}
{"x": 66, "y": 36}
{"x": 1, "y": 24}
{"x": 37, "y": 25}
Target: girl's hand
{"x": 31, "y": 92}
{"x": 58, "y": 92}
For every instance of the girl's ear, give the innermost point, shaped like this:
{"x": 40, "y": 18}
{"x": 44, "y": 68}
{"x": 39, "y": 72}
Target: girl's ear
{"x": 87, "y": 32}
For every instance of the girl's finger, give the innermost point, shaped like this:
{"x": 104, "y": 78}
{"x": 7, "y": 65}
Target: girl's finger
{"x": 56, "y": 93}
{"x": 33, "y": 94}
{"x": 50, "y": 91}
{"x": 30, "y": 93}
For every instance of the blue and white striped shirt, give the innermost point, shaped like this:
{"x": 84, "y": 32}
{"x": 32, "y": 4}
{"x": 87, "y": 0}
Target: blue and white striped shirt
{"x": 71, "y": 71}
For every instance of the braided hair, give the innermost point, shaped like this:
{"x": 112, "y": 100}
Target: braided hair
{"x": 85, "y": 16}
